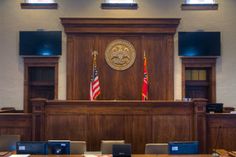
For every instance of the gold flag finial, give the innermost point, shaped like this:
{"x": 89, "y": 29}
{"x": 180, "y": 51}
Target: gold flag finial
{"x": 94, "y": 53}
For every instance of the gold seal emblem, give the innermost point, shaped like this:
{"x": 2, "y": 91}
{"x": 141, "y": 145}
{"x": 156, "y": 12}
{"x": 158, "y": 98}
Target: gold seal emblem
{"x": 120, "y": 54}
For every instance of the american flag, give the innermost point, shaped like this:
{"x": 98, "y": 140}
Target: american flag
{"x": 94, "y": 83}
{"x": 145, "y": 80}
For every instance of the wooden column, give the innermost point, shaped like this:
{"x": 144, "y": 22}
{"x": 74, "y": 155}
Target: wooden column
{"x": 38, "y": 119}
{"x": 200, "y": 123}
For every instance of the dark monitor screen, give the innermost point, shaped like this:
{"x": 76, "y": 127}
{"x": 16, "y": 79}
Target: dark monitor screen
{"x": 37, "y": 148}
{"x": 121, "y": 150}
{"x": 58, "y": 147}
{"x": 199, "y": 44}
{"x": 214, "y": 107}
{"x": 183, "y": 147}
{"x": 40, "y": 43}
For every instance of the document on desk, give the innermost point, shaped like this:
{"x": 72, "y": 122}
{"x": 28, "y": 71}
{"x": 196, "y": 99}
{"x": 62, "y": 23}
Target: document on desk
{"x": 97, "y": 155}
{"x": 232, "y": 153}
{"x": 19, "y": 155}
{"x": 4, "y": 153}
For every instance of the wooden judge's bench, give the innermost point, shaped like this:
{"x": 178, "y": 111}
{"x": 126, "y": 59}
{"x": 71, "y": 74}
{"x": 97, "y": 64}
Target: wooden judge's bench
{"x": 136, "y": 122}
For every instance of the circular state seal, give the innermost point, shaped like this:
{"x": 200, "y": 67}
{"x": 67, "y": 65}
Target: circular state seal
{"x": 120, "y": 54}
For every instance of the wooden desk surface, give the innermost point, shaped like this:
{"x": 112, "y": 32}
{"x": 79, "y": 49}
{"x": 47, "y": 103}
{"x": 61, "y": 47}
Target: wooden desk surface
{"x": 133, "y": 155}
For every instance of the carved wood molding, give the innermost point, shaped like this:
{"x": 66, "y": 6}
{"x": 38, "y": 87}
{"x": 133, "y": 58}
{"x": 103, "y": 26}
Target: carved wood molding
{"x": 120, "y": 25}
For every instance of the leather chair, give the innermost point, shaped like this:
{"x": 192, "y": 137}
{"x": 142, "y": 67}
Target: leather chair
{"x": 8, "y": 142}
{"x": 106, "y": 145}
{"x": 77, "y": 147}
{"x": 156, "y": 148}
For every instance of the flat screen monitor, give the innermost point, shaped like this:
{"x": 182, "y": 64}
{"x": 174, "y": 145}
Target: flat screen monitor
{"x": 183, "y": 147}
{"x": 121, "y": 150}
{"x": 32, "y": 147}
{"x": 40, "y": 43}
{"x": 58, "y": 147}
{"x": 214, "y": 107}
{"x": 199, "y": 44}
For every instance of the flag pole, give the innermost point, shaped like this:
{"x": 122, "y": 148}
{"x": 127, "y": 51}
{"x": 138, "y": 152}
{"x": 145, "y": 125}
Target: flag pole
{"x": 145, "y": 79}
{"x": 94, "y": 53}
{"x": 94, "y": 82}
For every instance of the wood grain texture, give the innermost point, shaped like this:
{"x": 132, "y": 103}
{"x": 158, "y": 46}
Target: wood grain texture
{"x": 16, "y": 124}
{"x": 40, "y": 89}
{"x": 155, "y": 36}
{"x": 221, "y": 130}
{"x": 208, "y": 64}
{"x": 135, "y": 122}
{"x": 120, "y": 25}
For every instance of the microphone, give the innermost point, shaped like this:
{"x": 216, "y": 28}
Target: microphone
{"x": 214, "y": 153}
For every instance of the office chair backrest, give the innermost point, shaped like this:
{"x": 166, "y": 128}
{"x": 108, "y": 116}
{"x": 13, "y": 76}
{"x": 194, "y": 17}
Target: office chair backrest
{"x": 185, "y": 147}
{"x": 156, "y": 148}
{"x": 78, "y": 147}
{"x": 106, "y": 145}
{"x": 8, "y": 142}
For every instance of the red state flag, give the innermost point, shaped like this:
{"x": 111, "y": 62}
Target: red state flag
{"x": 145, "y": 80}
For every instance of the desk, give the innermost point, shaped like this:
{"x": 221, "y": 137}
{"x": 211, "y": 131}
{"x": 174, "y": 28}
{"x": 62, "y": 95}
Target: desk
{"x": 136, "y": 122}
{"x": 134, "y": 155}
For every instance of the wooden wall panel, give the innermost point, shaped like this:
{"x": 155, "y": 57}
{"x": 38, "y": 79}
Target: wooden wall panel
{"x": 64, "y": 126}
{"x": 155, "y": 36}
{"x": 136, "y": 122}
{"x": 221, "y": 129}
{"x": 172, "y": 128}
{"x": 107, "y": 127}
{"x": 120, "y": 85}
{"x": 79, "y": 65}
{"x": 16, "y": 124}
{"x": 160, "y": 66}
{"x": 141, "y": 132}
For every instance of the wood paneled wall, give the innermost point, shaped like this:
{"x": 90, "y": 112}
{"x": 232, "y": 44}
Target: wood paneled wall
{"x": 16, "y": 124}
{"x": 155, "y": 36}
{"x": 135, "y": 122}
{"x": 221, "y": 129}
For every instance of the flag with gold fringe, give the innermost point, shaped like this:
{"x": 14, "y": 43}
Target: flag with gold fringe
{"x": 145, "y": 80}
{"x": 94, "y": 82}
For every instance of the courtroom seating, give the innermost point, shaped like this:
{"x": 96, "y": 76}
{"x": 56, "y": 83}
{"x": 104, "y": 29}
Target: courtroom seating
{"x": 106, "y": 145}
{"x": 156, "y": 148}
{"x": 77, "y": 147}
{"x": 8, "y": 142}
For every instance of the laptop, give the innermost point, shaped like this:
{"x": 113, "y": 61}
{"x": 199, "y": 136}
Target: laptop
{"x": 183, "y": 147}
{"x": 31, "y": 147}
{"x": 121, "y": 150}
